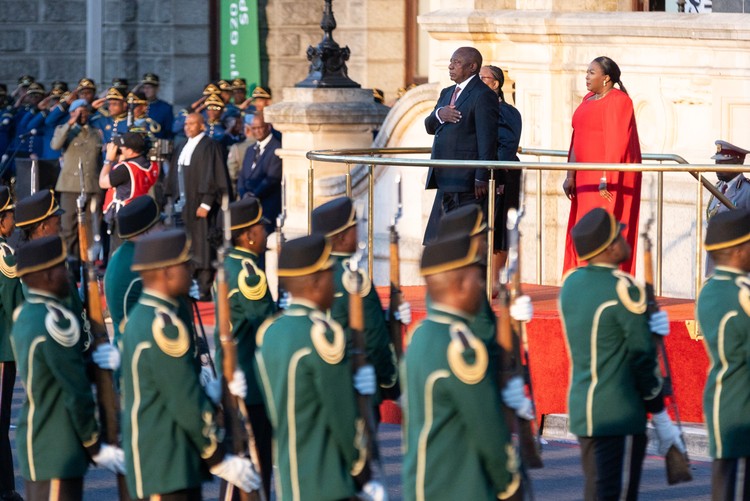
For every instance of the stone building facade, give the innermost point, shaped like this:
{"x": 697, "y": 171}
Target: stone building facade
{"x": 47, "y": 39}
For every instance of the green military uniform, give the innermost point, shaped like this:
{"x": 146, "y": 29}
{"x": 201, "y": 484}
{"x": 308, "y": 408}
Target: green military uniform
{"x": 123, "y": 287}
{"x": 456, "y": 442}
{"x": 307, "y": 388}
{"x": 378, "y": 345}
{"x": 57, "y": 431}
{"x": 723, "y": 312}
{"x": 250, "y": 304}
{"x": 484, "y": 327}
{"x": 11, "y": 296}
{"x": 614, "y": 361}
{"x": 168, "y": 422}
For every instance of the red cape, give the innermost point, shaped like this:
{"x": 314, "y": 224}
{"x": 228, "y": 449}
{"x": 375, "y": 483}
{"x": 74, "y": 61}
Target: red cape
{"x": 604, "y": 130}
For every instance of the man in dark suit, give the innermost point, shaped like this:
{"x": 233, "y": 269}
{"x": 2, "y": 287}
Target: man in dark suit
{"x": 261, "y": 171}
{"x": 464, "y": 124}
{"x": 196, "y": 180}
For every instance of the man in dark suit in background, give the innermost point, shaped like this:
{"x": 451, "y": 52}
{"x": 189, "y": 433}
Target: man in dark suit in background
{"x": 196, "y": 180}
{"x": 261, "y": 171}
{"x": 464, "y": 124}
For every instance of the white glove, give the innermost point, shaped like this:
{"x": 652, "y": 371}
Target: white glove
{"x": 514, "y": 396}
{"x": 373, "y": 491}
{"x": 206, "y": 375}
{"x": 106, "y": 356}
{"x": 195, "y": 291}
{"x": 659, "y": 323}
{"x": 285, "y": 300}
{"x": 364, "y": 380}
{"x": 213, "y": 390}
{"x": 403, "y": 314}
{"x": 111, "y": 458}
{"x": 238, "y": 385}
{"x": 521, "y": 310}
{"x": 667, "y": 433}
{"x": 237, "y": 471}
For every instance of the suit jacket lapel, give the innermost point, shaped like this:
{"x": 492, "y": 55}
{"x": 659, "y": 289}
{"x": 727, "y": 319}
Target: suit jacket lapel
{"x": 465, "y": 93}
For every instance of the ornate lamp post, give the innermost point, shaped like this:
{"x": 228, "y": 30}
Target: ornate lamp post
{"x": 328, "y": 60}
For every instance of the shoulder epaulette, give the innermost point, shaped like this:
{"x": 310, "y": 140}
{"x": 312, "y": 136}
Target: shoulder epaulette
{"x": 347, "y": 278}
{"x": 626, "y": 286}
{"x": 467, "y": 355}
{"x": 170, "y": 333}
{"x": 7, "y": 260}
{"x": 62, "y": 325}
{"x": 332, "y": 352}
{"x": 252, "y": 280}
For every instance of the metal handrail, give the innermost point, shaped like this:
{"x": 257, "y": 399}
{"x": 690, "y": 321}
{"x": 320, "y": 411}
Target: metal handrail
{"x": 374, "y": 156}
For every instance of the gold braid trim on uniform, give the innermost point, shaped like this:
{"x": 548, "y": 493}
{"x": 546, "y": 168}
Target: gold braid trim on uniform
{"x": 331, "y": 352}
{"x": 744, "y": 295}
{"x": 17, "y": 312}
{"x": 359, "y": 444}
{"x": 91, "y": 441}
{"x": 9, "y": 270}
{"x": 251, "y": 292}
{"x": 68, "y": 337}
{"x": 466, "y": 372}
{"x": 410, "y": 332}
{"x": 512, "y": 467}
{"x": 350, "y": 284}
{"x": 209, "y": 432}
{"x": 262, "y": 331}
{"x": 172, "y": 347}
{"x": 394, "y": 361}
{"x": 624, "y": 282}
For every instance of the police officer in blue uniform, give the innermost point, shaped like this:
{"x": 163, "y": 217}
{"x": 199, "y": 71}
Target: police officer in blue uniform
{"x": 113, "y": 121}
{"x": 159, "y": 110}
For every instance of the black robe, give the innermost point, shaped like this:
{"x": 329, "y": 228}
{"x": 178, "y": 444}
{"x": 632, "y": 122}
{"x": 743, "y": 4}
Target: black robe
{"x": 206, "y": 178}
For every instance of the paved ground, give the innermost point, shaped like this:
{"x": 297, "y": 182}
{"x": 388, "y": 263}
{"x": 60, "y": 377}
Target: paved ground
{"x": 559, "y": 480}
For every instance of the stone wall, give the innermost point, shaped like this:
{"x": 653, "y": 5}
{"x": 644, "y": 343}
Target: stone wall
{"x": 372, "y": 29}
{"x": 47, "y": 39}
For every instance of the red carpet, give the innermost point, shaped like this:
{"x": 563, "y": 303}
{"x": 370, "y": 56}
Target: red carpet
{"x": 548, "y": 357}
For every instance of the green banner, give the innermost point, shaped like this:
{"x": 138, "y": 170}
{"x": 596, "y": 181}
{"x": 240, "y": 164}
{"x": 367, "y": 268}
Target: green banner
{"x": 240, "y": 42}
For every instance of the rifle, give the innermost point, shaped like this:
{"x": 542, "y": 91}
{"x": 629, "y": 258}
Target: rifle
{"x": 509, "y": 335}
{"x": 394, "y": 325}
{"x": 280, "y": 219}
{"x": 353, "y": 282}
{"x": 677, "y": 463}
{"x": 108, "y": 403}
{"x": 237, "y": 423}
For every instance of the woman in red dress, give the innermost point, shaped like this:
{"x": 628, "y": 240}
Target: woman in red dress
{"x": 604, "y": 131}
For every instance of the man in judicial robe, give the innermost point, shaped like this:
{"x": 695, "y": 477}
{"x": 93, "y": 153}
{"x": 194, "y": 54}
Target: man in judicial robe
{"x": 196, "y": 180}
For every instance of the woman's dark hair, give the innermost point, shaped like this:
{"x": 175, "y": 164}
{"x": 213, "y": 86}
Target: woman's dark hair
{"x": 498, "y": 75}
{"x": 610, "y": 68}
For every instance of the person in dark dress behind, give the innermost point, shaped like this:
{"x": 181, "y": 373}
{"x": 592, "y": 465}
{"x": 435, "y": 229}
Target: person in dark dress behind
{"x": 509, "y": 180}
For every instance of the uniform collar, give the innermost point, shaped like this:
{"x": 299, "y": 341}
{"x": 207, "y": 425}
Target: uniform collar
{"x": 728, "y": 270}
{"x": 168, "y": 301}
{"x": 605, "y": 266}
{"x": 44, "y": 294}
{"x": 243, "y": 252}
{"x": 302, "y": 304}
{"x": 438, "y": 309}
